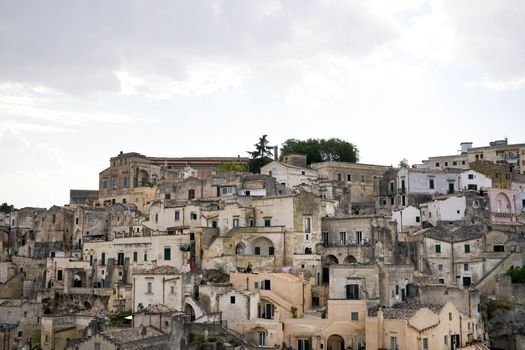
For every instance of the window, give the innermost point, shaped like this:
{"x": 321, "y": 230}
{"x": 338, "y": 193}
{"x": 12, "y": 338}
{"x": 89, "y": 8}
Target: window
{"x": 354, "y": 316}
{"x": 425, "y": 343}
{"x": 150, "y": 288}
{"x": 103, "y": 259}
{"x": 262, "y": 339}
{"x": 91, "y": 260}
{"x": 446, "y": 163}
{"x": 125, "y": 182}
{"x": 114, "y": 184}
{"x": 193, "y": 215}
{"x": 342, "y": 238}
{"x": 267, "y": 222}
{"x": 167, "y": 253}
{"x": 257, "y": 250}
{"x": 135, "y": 256}
{"x": 348, "y": 177}
{"x": 172, "y": 289}
{"x": 156, "y": 218}
{"x": 232, "y": 299}
{"x": 352, "y": 291}
{"x": 437, "y": 165}
{"x": 235, "y": 222}
{"x": 304, "y": 344}
{"x": 431, "y": 184}
{"x": 105, "y": 184}
{"x": 59, "y": 275}
{"x": 167, "y": 195}
{"x": 76, "y": 220}
{"x": 454, "y": 163}
{"x": 97, "y": 346}
{"x": 462, "y": 162}
{"x": 325, "y": 238}
{"x": 307, "y": 225}
{"x": 359, "y": 237}
{"x": 177, "y": 215}
{"x": 362, "y": 178}
{"x": 465, "y": 267}
{"x": 227, "y": 191}
{"x": 418, "y": 219}
{"x": 393, "y": 343}
{"x": 271, "y": 251}
{"x": 54, "y": 219}
{"x": 440, "y": 267}
{"x": 303, "y": 173}
{"x": 191, "y": 194}
{"x": 120, "y": 258}
{"x": 471, "y": 176}
{"x": 397, "y": 289}
{"x": 499, "y": 248}
{"x": 339, "y": 177}
{"x": 145, "y": 256}
{"x": 265, "y": 284}
{"x": 467, "y": 248}
{"x": 441, "y": 281}
{"x": 438, "y": 248}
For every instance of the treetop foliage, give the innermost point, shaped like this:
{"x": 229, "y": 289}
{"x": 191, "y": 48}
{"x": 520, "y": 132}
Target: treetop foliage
{"x": 322, "y": 150}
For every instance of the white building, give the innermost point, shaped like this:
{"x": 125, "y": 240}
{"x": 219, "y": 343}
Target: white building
{"x": 290, "y": 175}
{"x": 162, "y": 285}
{"x": 427, "y": 181}
{"x": 444, "y": 209}
{"x": 519, "y": 187}
{"x": 408, "y": 219}
{"x": 472, "y": 180}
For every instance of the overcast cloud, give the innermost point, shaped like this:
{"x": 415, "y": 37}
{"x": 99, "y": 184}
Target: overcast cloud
{"x": 82, "y": 80}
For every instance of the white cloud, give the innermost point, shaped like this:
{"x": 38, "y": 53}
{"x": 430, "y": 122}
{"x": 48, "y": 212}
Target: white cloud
{"x": 501, "y": 85}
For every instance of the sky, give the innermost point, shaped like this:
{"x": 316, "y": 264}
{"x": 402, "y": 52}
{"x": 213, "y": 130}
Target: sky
{"x": 81, "y": 81}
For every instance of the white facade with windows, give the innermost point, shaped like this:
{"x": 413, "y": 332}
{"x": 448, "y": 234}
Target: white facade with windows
{"x": 472, "y": 180}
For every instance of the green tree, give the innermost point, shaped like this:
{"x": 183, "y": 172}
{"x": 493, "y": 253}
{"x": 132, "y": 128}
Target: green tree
{"x": 517, "y": 274}
{"x": 6, "y": 208}
{"x": 403, "y": 163}
{"x": 232, "y": 166}
{"x": 261, "y": 156}
{"x": 321, "y": 150}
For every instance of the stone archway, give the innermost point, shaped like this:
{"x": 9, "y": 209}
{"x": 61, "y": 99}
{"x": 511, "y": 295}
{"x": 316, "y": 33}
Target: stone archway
{"x": 350, "y": 259}
{"x": 188, "y": 310}
{"x": 330, "y": 260}
{"x": 79, "y": 279}
{"x": 240, "y": 249}
{"x": 335, "y": 342}
{"x": 262, "y": 246}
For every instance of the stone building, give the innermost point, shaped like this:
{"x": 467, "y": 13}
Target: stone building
{"x": 420, "y": 326}
{"x": 360, "y": 178}
{"x": 165, "y": 285}
{"x": 290, "y": 175}
{"x": 500, "y": 152}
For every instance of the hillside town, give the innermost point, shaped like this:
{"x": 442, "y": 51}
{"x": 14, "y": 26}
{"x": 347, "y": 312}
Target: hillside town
{"x": 188, "y": 253}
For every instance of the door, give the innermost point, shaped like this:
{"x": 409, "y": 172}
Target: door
{"x": 326, "y": 275}
{"x": 467, "y": 281}
{"x": 454, "y": 341}
{"x": 451, "y": 187}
